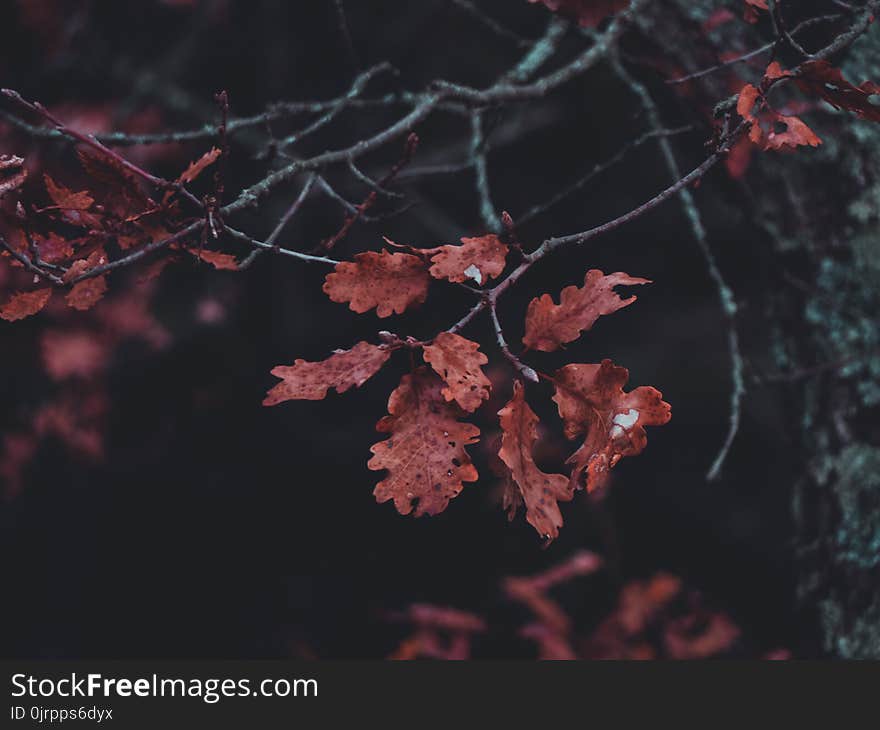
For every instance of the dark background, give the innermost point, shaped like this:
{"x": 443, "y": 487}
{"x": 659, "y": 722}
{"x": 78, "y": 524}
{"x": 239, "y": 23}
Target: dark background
{"x": 218, "y": 528}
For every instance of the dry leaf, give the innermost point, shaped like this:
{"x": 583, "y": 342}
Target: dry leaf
{"x": 390, "y": 282}
{"x": 344, "y": 369}
{"x": 549, "y": 325}
{"x": 592, "y": 404}
{"x": 540, "y": 492}
{"x": 425, "y": 452}
{"x": 25, "y": 304}
{"x": 458, "y": 361}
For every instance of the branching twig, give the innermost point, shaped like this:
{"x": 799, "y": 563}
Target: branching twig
{"x": 90, "y": 141}
{"x": 527, "y": 372}
{"x": 728, "y": 304}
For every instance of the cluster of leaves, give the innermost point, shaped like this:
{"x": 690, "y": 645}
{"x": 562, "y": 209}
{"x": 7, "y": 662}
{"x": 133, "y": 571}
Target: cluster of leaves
{"x": 55, "y": 235}
{"x": 67, "y": 243}
{"x": 72, "y": 233}
{"x": 425, "y": 454}
{"x": 656, "y": 618}
{"x": 771, "y": 129}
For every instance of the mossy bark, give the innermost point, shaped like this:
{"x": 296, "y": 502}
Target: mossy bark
{"x": 819, "y": 211}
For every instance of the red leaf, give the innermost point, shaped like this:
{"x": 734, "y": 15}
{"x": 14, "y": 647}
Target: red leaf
{"x": 124, "y": 192}
{"x": 219, "y": 260}
{"x": 344, "y": 369}
{"x": 589, "y": 13}
{"x": 750, "y": 12}
{"x": 796, "y": 134}
{"x": 541, "y": 492}
{"x": 477, "y": 259}
{"x": 87, "y": 293}
{"x": 699, "y": 635}
{"x": 457, "y": 360}
{"x": 65, "y": 198}
{"x": 73, "y": 354}
{"x": 592, "y": 403}
{"x": 390, "y": 282}
{"x": 822, "y": 80}
{"x": 549, "y": 325}
{"x": 25, "y": 304}
{"x": 763, "y": 127}
{"x": 198, "y": 166}
{"x": 424, "y": 455}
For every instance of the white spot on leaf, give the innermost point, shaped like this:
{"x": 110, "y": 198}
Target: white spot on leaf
{"x": 626, "y": 420}
{"x": 472, "y": 272}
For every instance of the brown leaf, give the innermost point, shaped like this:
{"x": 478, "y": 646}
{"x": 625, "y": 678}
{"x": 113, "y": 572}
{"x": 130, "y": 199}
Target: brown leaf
{"x": 344, "y": 369}
{"x": 124, "y": 192}
{"x": 796, "y": 134}
{"x": 25, "y": 304}
{"x": 457, "y": 360}
{"x": 65, "y": 198}
{"x": 763, "y": 126}
{"x": 73, "y": 354}
{"x": 87, "y": 293}
{"x": 477, "y": 259}
{"x": 549, "y": 325}
{"x": 219, "y": 260}
{"x": 424, "y": 455}
{"x": 750, "y": 11}
{"x": 699, "y": 635}
{"x": 588, "y": 13}
{"x": 390, "y": 282}
{"x": 822, "y": 80}
{"x": 592, "y": 403}
{"x": 541, "y": 492}
{"x": 198, "y": 166}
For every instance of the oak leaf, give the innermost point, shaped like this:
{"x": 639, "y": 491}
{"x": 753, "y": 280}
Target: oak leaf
{"x": 390, "y": 282}
{"x": 477, "y": 259}
{"x": 25, "y": 304}
{"x": 219, "y": 260}
{"x": 344, "y": 369}
{"x": 88, "y": 292}
{"x": 124, "y": 192}
{"x": 763, "y": 126}
{"x": 541, "y": 492}
{"x": 588, "y": 13}
{"x": 73, "y": 354}
{"x": 425, "y": 453}
{"x": 458, "y": 361}
{"x": 64, "y": 198}
{"x": 550, "y": 325}
{"x": 198, "y": 166}
{"x": 822, "y": 80}
{"x": 592, "y": 404}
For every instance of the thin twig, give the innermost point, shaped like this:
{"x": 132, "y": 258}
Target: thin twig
{"x": 527, "y": 372}
{"x": 725, "y": 295}
{"x": 282, "y": 223}
{"x": 28, "y": 264}
{"x": 90, "y": 141}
